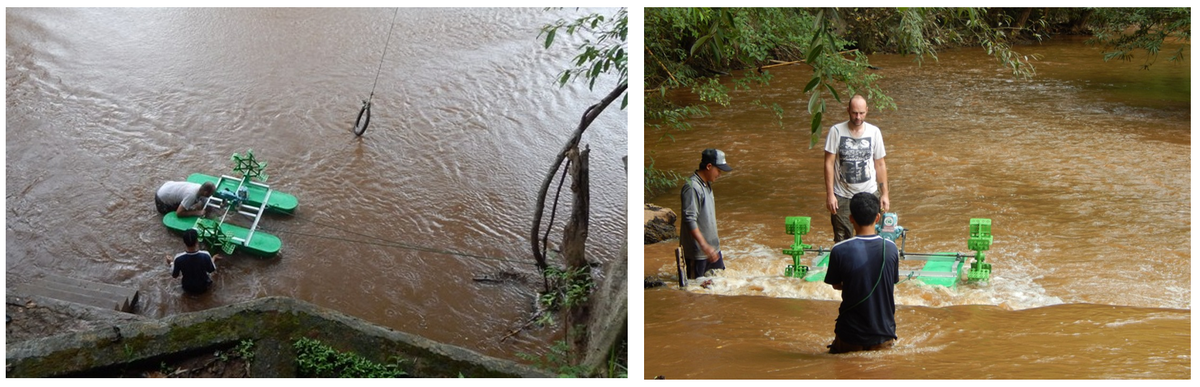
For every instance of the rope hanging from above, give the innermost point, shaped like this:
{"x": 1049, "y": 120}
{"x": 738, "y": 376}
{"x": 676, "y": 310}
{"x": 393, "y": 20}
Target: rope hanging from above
{"x": 364, "y": 113}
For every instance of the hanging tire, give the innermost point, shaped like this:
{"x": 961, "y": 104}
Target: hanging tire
{"x": 364, "y": 119}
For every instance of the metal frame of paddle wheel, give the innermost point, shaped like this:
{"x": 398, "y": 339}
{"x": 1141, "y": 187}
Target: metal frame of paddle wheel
{"x": 209, "y": 230}
{"x": 941, "y": 269}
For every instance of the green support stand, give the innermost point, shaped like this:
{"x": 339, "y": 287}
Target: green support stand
{"x": 797, "y": 226}
{"x": 980, "y": 241}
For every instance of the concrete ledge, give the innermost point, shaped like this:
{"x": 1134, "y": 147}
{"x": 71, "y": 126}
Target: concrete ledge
{"x": 100, "y": 295}
{"x": 273, "y": 323}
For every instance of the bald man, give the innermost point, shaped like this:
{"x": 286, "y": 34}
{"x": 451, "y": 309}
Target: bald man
{"x": 854, "y": 163}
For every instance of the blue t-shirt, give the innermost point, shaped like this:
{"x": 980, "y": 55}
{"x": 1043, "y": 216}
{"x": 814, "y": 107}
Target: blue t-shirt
{"x": 865, "y": 317}
{"x": 195, "y": 268}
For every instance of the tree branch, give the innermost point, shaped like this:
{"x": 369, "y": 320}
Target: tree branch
{"x": 589, "y": 115}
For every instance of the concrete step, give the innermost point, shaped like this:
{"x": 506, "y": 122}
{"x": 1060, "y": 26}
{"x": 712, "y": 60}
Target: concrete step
{"x": 83, "y": 292}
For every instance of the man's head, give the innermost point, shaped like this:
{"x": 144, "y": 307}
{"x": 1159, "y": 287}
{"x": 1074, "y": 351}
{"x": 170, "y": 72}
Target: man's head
{"x": 712, "y": 163}
{"x": 864, "y": 209}
{"x": 191, "y": 238}
{"x": 857, "y": 111}
{"x": 207, "y": 189}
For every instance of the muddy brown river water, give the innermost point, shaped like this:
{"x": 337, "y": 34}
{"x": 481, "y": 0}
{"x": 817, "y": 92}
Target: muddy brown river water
{"x": 104, "y": 105}
{"x": 1084, "y": 170}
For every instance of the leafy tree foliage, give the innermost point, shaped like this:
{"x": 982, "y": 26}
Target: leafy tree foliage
{"x": 607, "y": 53}
{"x": 1124, "y": 31}
{"x": 602, "y": 52}
{"x": 692, "y": 48}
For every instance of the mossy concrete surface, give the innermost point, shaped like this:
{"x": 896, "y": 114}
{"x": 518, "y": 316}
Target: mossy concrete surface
{"x": 272, "y": 323}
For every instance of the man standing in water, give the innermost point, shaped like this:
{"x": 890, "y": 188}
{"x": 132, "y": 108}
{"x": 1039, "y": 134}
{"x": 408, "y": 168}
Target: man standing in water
{"x": 853, "y": 163}
{"x": 698, "y": 234}
{"x": 865, "y": 268}
{"x": 194, "y": 264}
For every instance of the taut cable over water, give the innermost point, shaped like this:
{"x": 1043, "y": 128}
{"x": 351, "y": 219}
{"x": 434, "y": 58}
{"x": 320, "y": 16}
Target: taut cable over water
{"x": 364, "y": 114}
{"x": 380, "y": 241}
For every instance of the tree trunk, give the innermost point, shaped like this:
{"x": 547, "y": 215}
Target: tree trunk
{"x": 1024, "y": 18}
{"x": 589, "y": 115}
{"x": 574, "y": 240}
{"x": 576, "y": 235}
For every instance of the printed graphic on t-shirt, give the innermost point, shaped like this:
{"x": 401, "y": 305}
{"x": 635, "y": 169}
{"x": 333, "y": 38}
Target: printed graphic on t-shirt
{"x": 854, "y": 154}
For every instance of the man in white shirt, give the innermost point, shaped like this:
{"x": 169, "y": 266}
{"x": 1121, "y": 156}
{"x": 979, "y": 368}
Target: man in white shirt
{"x": 185, "y": 198}
{"x": 854, "y": 163}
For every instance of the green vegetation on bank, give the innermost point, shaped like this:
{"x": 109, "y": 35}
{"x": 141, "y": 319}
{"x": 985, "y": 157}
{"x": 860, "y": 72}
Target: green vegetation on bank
{"x": 314, "y": 359}
{"x": 568, "y": 288}
{"x": 693, "y": 49}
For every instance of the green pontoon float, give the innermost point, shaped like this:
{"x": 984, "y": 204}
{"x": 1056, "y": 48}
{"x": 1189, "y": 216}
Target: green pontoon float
{"x": 940, "y": 269}
{"x": 244, "y": 199}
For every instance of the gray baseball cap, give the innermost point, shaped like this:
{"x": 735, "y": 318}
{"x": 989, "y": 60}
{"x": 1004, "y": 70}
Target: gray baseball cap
{"x": 715, "y": 157}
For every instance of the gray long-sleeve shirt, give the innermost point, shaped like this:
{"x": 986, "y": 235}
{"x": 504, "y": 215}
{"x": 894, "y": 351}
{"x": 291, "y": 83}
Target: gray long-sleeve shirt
{"x": 699, "y": 210}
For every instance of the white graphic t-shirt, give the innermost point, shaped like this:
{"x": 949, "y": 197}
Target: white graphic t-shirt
{"x": 855, "y": 164}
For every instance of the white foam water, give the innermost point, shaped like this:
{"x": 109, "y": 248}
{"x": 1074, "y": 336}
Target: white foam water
{"x": 757, "y": 270}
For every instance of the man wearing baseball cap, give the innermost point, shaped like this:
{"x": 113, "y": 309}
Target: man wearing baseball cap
{"x": 698, "y": 234}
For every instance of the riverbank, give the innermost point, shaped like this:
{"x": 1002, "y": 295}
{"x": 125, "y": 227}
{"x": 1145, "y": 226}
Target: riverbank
{"x": 75, "y": 341}
{"x": 29, "y": 317}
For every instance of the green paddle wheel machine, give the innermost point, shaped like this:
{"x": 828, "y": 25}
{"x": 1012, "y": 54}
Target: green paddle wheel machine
{"x": 243, "y": 198}
{"x": 940, "y": 269}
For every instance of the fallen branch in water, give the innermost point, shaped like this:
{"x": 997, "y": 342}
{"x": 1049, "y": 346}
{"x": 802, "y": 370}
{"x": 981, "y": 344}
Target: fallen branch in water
{"x": 527, "y": 324}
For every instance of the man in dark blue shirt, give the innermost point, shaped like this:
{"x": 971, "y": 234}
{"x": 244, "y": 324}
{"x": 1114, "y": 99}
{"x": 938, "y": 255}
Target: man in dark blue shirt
{"x": 865, "y": 268}
{"x": 194, "y": 264}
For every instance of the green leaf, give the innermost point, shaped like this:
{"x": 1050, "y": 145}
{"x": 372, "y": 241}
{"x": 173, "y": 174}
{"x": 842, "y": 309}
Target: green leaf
{"x": 720, "y": 49}
{"x": 834, "y": 92}
{"x": 814, "y": 101}
{"x": 813, "y": 53}
{"x": 550, "y": 37}
{"x": 811, "y": 84}
{"x": 699, "y": 43}
{"x": 816, "y": 122}
{"x": 816, "y": 132}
